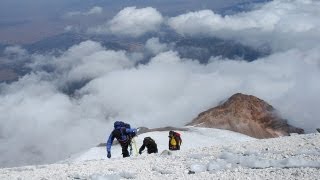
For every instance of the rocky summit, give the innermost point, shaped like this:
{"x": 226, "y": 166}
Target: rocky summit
{"x": 248, "y": 115}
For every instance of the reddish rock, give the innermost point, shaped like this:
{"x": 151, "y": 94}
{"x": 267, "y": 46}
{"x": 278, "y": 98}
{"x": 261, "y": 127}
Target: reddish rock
{"x": 248, "y": 115}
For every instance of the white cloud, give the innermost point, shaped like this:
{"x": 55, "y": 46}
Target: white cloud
{"x": 14, "y": 54}
{"x": 154, "y": 46}
{"x": 169, "y": 57}
{"x": 45, "y": 125}
{"x": 86, "y": 60}
{"x": 132, "y": 22}
{"x": 96, "y": 10}
{"x": 283, "y": 24}
{"x": 73, "y": 13}
{"x": 15, "y": 51}
{"x": 99, "y": 63}
{"x": 37, "y": 122}
{"x": 71, "y": 28}
{"x": 68, "y": 28}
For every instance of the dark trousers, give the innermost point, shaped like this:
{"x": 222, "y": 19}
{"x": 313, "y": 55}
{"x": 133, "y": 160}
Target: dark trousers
{"x": 125, "y": 152}
{"x": 174, "y": 148}
{"x": 152, "y": 149}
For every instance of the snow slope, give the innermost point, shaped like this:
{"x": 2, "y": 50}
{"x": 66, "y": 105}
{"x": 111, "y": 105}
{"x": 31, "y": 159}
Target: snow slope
{"x": 293, "y": 157}
{"x": 194, "y": 138}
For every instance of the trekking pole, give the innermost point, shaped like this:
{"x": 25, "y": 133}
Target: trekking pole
{"x": 135, "y": 146}
{"x": 130, "y": 148}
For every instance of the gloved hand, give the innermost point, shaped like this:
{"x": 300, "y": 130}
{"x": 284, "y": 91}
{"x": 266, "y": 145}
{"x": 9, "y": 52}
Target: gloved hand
{"x": 109, "y": 154}
{"x": 140, "y": 152}
{"x": 134, "y": 132}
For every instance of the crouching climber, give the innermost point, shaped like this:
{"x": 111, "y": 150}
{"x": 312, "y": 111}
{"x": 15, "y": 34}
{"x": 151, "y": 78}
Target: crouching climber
{"x": 150, "y": 144}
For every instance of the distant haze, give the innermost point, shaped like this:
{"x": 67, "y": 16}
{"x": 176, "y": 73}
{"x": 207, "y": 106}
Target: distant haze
{"x": 29, "y": 21}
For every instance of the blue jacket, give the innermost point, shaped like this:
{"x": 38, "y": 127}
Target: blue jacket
{"x": 122, "y": 134}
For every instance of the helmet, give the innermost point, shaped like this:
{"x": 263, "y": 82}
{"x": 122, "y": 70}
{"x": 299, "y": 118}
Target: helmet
{"x": 171, "y": 133}
{"x": 117, "y": 124}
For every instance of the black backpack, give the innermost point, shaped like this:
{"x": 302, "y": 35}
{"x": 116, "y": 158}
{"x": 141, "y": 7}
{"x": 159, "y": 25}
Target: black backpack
{"x": 148, "y": 140}
{"x": 126, "y": 125}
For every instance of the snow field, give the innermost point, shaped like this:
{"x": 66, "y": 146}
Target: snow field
{"x": 293, "y": 157}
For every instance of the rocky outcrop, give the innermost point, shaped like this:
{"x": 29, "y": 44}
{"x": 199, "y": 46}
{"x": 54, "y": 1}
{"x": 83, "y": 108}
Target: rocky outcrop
{"x": 248, "y": 115}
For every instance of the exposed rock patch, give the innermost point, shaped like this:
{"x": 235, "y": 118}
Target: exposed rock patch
{"x": 248, "y": 115}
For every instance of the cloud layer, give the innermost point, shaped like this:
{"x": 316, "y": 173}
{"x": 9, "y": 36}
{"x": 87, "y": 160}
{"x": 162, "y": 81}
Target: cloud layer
{"x": 282, "y": 24}
{"x": 43, "y": 117}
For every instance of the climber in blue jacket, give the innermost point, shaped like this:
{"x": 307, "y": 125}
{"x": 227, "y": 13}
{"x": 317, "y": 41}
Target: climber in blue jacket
{"x": 123, "y": 133}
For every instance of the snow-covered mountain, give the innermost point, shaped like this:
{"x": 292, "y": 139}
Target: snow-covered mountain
{"x": 206, "y": 154}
